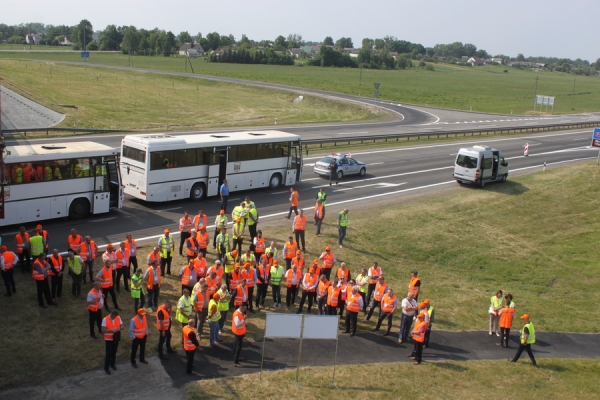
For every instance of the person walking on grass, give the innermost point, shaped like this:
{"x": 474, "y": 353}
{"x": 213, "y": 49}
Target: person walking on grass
{"x": 409, "y": 308}
{"x": 138, "y": 331}
{"x": 8, "y": 260}
{"x": 322, "y": 195}
{"x": 163, "y": 324}
{"x": 294, "y": 198}
{"x": 527, "y": 339}
{"x": 342, "y": 226}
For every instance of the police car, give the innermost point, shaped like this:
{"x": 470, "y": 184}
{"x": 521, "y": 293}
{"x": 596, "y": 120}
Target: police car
{"x": 346, "y": 165}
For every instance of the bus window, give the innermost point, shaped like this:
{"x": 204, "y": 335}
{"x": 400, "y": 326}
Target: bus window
{"x": 134, "y": 154}
{"x": 246, "y": 152}
{"x": 264, "y": 150}
{"x": 281, "y": 149}
{"x": 185, "y": 158}
{"x": 161, "y": 160}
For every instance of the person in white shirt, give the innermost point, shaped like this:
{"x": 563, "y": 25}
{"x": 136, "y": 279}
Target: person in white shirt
{"x": 409, "y": 307}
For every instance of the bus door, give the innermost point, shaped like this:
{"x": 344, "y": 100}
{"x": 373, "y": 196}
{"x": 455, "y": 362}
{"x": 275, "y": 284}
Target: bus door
{"x": 101, "y": 203}
{"x": 217, "y": 170}
{"x": 294, "y": 169}
{"x": 114, "y": 182}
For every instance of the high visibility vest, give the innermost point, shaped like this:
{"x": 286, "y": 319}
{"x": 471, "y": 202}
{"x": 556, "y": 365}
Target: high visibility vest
{"x": 122, "y": 258}
{"x": 272, "y": 250}
{"x": 264, "y": 273}
{"x": 202, "y": 240}
{"x": 276, "y": 275}
{"x": 57, "y": 263}
{"x": 165, "y": 323}
{"x": 343, "y": 219}
{"x": 186, "y": 276}
{"x": 57, "y": 173}
{"x": 21, "y": 242}
{"x": 254, "y": 213}
{"x": 106, "y": 278}
{"x": 199, "y": 300}
{"x": 237, "y": 212}
{"x": 75, "y": 265}
{"x": 298, "y": 262}
{"x": 495, "y": 302}
{"x": 352, "y": 304}
{"x": 289, "y": 277}
{"x": 221, "y": 221}
{"x": 374, "y": 272}
{"x": 247, "y": 258}
{"x": 241, "y": 329}
{"x": 318, "y": 213}
{"x": 229, "y": 262}
{"x": 10, "y": 259}
{"x": 238, "y": 230}
{"x": 111, "y": 324}
{"x": 18, "y": 175}
{"x": 431, "y": 314}
{"x": 47, "y": 173}
{"x": 188, "y": 345}
{"x": 322, "y": 288}
{"x": 37, "y": 245}
{"x": 322, "y": 196}
{"x": 362, "y": 279}
{"x": 112, "y": 257}
{"x": 200, "y": 267}
{"x": 74, "y": 243}
{"x": 317, "y": 270}
{"x": 191, "y": 247}
{"x": 96, "y": 304}
{"x": 200, "y": 222}
{"x": 333, "y": 295}
{"x": 241, "y": 295}
{"x": 380, "y": 291}
{"x": 212, "y": 286}
{"x": 185, "y": 224}
{"x": 294, "y": 198}
{"x": 187, "y": 304}
{"x": 131, "y": 246}
{"x": 219, "y": 272}
{"x": 300, "y": 223}
{"x": 310, "y": 281}
{"x": 531, "y": 338}
{"x": 139, "y": 327}
{"x": 136, "y": 291}
{"x": 419, "y": 336}
{"x": 216, "y": 316}
{"x": 85, "y": 248}
{"x": 165, "y": 247}
{"x": 27, "y": 172}
{"x": 153, "y": 257}
{"x": 412, "y": 288}
{"x": 506, "y": 319}
{"x": 38, "y": 276}
{"x": 223, "y": 240}
{"x": 328, "y": 261}
{"x": 289, "y": 249}
{"x": 45, "y": 236}
{"x": 250, "y": 276}
{"x": 235, "y": 279}
{"x": 387, "y": 303}
{"x": 341, "y": 273}
{"x": 150, "y": 281}
{"x": 223, "y": 305}
{"x": 260, "y": 245}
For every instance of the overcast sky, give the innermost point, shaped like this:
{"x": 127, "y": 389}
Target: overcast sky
{"x": 532, "y": 27}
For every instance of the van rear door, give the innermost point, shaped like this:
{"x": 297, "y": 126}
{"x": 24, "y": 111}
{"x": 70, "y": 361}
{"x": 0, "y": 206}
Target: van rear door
{"x": 465, "y": 166}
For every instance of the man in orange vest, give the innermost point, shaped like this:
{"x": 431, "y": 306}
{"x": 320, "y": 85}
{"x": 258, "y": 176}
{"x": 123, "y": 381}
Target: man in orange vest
{"x": 414, "y": 286}
{"x": 389, "y": 304}
{"x": 40, "y": 274}
{"x": 418, "y": 336}
{"x": 249, "y": 274}
{"x": 108, "y": 287}
{"x": 294, "y": 198}
{"x": 153, "y": 278}
{"x": 354, "y": 304}
{"x": 185, "y": 229}
{"x": 23, "y": 249}
{"x": 122, "y": 256}
{"x": 199, "y": 264}
{"x": 200, "y": 221}
{"x": 202, "y": 238}
{"x": 259, "y": 245}
{"x": 319, "y": 214}
{"x": 188, "y": 276}
{"x": 333, "y": 297}
{"x": 191, "y": 246}
{"x": 163, "y": 324}
{"x": 380, "y": 289}
{"x": 309, "y": 289}
{"x": 131, "y": 245}
{"x": 298, "y": 227}
{"x": 8, "y": 260}
{"x": 292, "y": 277}
{"x": 328, "y": 259}
{"x": 95, "y": 304}
{"x": 111, "y": 328}
{"x": 238, "y": 327}
{"x": 506, "y": 320}
{"x": 289, "y": 251}
{"x": 374, "y": 273}
{"x": 88, "y": 251}
{"x": 190, "y": 344}
{"x": 263, "y": 278}
{"x": 74, "y": 240}
{"x": 138, "y": 331}
{"x": 322, "y": 295}
{"x": 56, "y": 274}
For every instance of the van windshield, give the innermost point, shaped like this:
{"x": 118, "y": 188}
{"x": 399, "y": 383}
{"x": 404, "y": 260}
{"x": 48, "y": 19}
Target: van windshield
{"x": 466, "y": 161}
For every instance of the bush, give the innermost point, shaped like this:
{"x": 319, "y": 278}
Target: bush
{"x": 429, "y": 67}
{"x": 55, "y": 42}
{"x": 92, "y": 46}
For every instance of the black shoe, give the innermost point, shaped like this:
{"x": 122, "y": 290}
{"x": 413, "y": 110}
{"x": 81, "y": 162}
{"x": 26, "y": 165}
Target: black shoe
{"x": 134, "y": 365}
{"x": 163, "y": 357}
{"x": 54, "y": 303}
{"x": 346, "y": 332}
{"x": 94, "y": 336}
{"x": 114, "y": 367}
{"x": 144, "y": 361}
{"x": 118, "y": 292}
{"x": 107, "y": 371}
{"x": 386, "y": 334}
{"x": 8, "y": 295}
{"x": 352, "y": 334}
{"x": 171, "y": 351}
{"x": 189, "y": 372}
{"x": 43, "y": 306}
{"x": 117, "y": 308}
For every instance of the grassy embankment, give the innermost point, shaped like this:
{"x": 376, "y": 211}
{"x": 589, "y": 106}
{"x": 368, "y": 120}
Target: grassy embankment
{"x": 111, "y": 99}
{"x": 535, "y": 236}
{"x": 484, "y": 89}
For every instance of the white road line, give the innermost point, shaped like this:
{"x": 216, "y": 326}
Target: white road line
{"x": 376, "y": 163}
{"x": 581, "y": 139}
{"x": 285, "y": 191}
{"x": 168, "y": 209}
{"x": 387, "y": 176}
{"x": 352, "y": 133}
{"x": 552, "y": 152}
{"x": 310, "y": 165}
{"x": 314, "y": 179}
{"x": 102, "y": 220}
{"x": 383, "y": 184}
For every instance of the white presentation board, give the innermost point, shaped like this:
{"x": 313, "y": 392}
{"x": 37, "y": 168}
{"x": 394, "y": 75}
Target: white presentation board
{"x": 283, "y": 325}
{"x": 320, "y": 327}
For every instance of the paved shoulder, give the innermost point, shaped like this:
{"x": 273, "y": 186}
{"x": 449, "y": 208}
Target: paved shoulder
{"x": 19, "y": 112}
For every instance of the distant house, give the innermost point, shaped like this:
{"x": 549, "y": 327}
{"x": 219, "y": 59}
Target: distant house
{"x": 464, "y": 58}
{"x": 33, "y": 38}
{"x": 295, "y": 52}
{"x": 475, "y": 61}
{"x": 66, "y": 41}
{"x": 191, "y": 50}
{"x": 217, "y": 53}
{"x": 442, "y": 59}
{"x": 497, "y": 60}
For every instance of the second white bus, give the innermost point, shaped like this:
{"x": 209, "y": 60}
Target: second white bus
{"x": 161, "y": 167}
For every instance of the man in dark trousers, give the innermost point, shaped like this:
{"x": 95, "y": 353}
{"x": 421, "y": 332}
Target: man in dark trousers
{"x": 527, "y": 339}
{"x": 111, "y": 328}
{"x": 138, "y": 331}
{"x": 163, "y": 324}
{"x": 190, "y": 344}
{"x": 333, "y": 172}
{"x": 238, "y": 328}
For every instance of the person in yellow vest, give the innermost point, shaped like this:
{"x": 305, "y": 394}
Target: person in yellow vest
{"x": 17, "y": 173}
{"x": 213, "y": 318}
{"x": 224, "y": 300}
{"x": 252, "y": 218}
{"x": 418, "y": 336}
{"x": 184, "y": 308}
{"x": 138, "y": 331}
{"x": 137, "y": 289}
{"x": 166, "y": 244}
{"x": 276, "y": 276}
{"x": 238, "y": 328}
{"x": 223, "y": 244}
{"x": 57, "y": 174}
{"x": 299, "y": 227}
{"x": 494, "y": 311}
{"x": 95, "y": 304}
{"x": 239, "y": 228}
{"x": 111, "y": 328}
{"x": 220, "y": 223}
{"x": 37, "y": 243}
{"x": 527, "y": 339}
{"x": 40, "y": 274}
{"x": 362, "y": 281}
{"x": 190, "y": 344}
{"x": 431, "y": 314}
{"x": 8, "y": 260}
{"x": 342, "y": 223}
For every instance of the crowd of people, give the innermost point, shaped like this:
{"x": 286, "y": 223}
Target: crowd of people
{"x": 243, "y": 273}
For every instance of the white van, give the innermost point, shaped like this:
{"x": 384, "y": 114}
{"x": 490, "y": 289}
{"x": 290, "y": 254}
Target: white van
{"x": 479, "y": 165}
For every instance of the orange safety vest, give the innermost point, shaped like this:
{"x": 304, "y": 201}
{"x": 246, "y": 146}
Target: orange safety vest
{"x": 238, "y": 330}
{"x": 352, "y": 304}
{"x": 290, "y": 249}
{"x": 128, "y": 244}
{"x": 298, "y": 262}
{"x": 84, "y": 251}
{"x": 106, "y": 278}
{"x": 202, "y": 240}
{"x": 163, "y": 324}
{"x": 199, "y": 304}
{"x": 95, "y": 305}
{"x": 374, "y": 272}
{"x": 240, "y": 294}
{"x": 153, "y": 257}
{"x": 328, "y": 261}
{"x": 57, "y": 263}
{"x": 212, "y": 287}
{"x": 186, "y": 276}
{"x": 139, "y": 328}
{"x": 387, "y": 303}
{"x": 219, "y": 273}
{"x": 333, "y": 295}
{"x": 21, "y": 242}
{"x": 235, "y": 279}
{"x": 38, "y": 276}
{"x": 200, "y": 267}
{"x": 150, "y": 281}
{"x": 191, "y": 247}
{"x": 249, "y": 275}
{"x": 260, "y": 245}
{"x": 182, "y": 222}
{"x": 289, "y": 276}
{"x": 198, "y": 223}
{"x": 380, "y": 291}
{"x": 300, "y": 223}
{"x": 318, "y": 211}
{"x": 74, "y": 243}
{"x": 340, "y": 273}
{"x": 9, "y": 260}
{"x": 110, "y": 324}
{"x": 311, "y": 282}
{"x": 294, "y": 199}
{"x": 112, "y": 257}
{"x": 419, "y": 336}
{"x": 412, "y": 288}
{"x": 45, "y": 236}
{"x": 27, "y": 172}
{"x": 506, "y": 319}
{"x": 322, "y": 288}
{"x": 187, "y": 343}
{"x": 122, "y": 258}
{"x": 317, "y": 270}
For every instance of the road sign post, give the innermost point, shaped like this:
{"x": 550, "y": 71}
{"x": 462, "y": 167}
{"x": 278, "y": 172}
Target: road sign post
{"x": 596, "y": 142}
{"x": 376, "y": 94}
{"x": 85, "y": 54}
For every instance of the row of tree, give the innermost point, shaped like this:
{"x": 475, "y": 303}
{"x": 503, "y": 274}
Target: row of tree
{"x": 251, "y": 56}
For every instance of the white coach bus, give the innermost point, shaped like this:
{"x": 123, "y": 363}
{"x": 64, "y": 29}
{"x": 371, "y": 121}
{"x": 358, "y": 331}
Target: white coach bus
{"x": 162, "y": 167}
{"x": 59, "y": 180}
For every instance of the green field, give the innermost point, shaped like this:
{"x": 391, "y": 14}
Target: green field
{"x": 484, "y": 89}
{"x": 113, "y": 99}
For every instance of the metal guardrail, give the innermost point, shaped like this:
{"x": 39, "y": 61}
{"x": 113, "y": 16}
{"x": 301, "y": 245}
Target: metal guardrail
{"x": 48, "y": 130}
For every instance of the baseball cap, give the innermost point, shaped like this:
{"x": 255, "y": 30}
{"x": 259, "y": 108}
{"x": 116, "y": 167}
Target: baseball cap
{"x": 525, "y": 316}
{"x": 238, "y": 219}
{"x": 216, "y": 296}
{"x": 236, "y": 265}
{"x": 202, "y": 228}
{"x": 421, "y": 315}
{"x": 422, "y": 304}
{"x": 141, "y": 311}
{"x": 247, "y": 264}
{"x": 298, "y": 252}
{"x": 275, "y": 262}
{"x": 426, "y": 301}
{"x": 38, "y": 227}
{"x": 166, "y": 231}
{"x": 222, "y": 212}
{"x": 327, "y": 248}
{"x": 311, "y": 270}
{"x": 109, "y": 246}
{"x": 234, "y": 253}
{"x": 315, "y": 262}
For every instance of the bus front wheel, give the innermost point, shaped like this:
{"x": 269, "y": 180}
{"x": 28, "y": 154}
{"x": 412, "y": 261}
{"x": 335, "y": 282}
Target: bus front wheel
{"x": 275, "y": 181}
{"x": 198, "y": 192}
{"x": 80, "y": 208}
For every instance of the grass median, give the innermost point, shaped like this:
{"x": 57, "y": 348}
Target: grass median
{"x": 535, "y": 236}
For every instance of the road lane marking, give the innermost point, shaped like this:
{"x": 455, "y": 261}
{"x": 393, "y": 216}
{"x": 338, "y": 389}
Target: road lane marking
{"x": 102, "y": 220}
{"x": 383, "y": 184}
{"x": 386, "y": 176}
{"x": 353, "y": 133}
{"x": 168, "y": 209}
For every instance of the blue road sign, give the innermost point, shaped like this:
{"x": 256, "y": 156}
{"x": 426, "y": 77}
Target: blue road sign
{"x": 85, "y": 54}
{"x": 596, "y": 133}
{"x": 596, "y": 138}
